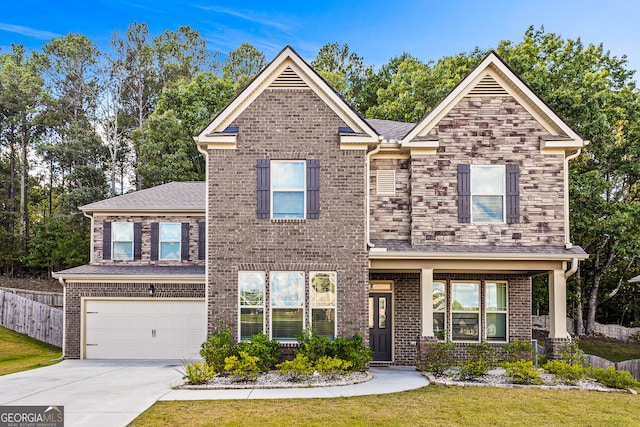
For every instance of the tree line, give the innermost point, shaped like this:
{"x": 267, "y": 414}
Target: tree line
{"x": 78, "y": 125}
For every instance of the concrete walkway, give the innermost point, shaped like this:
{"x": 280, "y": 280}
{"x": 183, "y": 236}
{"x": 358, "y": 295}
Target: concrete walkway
{"x": 114, "y": 392}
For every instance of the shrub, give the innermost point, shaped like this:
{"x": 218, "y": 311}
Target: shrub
{"x": 518, "y": 350}
{"x": 352, "y": 350}
{"x": 523, "y": 372}
{"x": 565, "y": 372}
{"x": 243, "y": 367}
{"x": 481, "y": 359}
{"x": 265, "y": 350}
{"x": 217, "y": 348}
{"x": 331, "y": 366}
{"x": 611, "y": 377}
{"x": 435, "y": 357}
{"x": 573, "y": 354}
{"x": 197, "y": 372}
{"x": 297, "y": 369}
{"x": 314, "y": 346}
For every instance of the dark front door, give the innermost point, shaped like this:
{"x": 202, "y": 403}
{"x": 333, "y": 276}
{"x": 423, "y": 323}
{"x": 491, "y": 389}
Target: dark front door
{"x": 380, "y": 328}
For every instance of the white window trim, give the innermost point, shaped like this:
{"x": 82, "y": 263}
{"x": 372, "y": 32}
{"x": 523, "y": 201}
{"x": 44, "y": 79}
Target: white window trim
{"x": 335, "y": 302}
{"x": 444, "y": 310}
{"x": 304, "y": 189}
{"x": 263, "y": 306}
{"x": 114, "y": 241}
{"x": 505, "y": 312}
{"x": 503, "y": 194}
{"x": 160, "y": 241}
{"x": 272, "y": 307}
{"x": 452, "y": 311}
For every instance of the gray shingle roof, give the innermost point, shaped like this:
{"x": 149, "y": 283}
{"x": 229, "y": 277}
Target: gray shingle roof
{"x": 173, "y": 197}
{"x": 390, "y": 129}
{"x": 133, "y": 270}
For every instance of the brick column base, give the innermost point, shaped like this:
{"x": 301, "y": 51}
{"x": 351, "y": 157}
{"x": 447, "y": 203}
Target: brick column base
{"x": 552, "y": 347}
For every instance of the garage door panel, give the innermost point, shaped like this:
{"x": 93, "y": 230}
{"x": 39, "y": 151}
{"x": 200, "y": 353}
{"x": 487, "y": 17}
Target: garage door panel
{"x": 144, "y": 329}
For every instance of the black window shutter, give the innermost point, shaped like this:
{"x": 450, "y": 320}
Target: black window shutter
{"x": 106, "y": 240}
{"x": 513, "y": 193}
{"x": 464, "y": 193}
{"x": 313, "y": 189}
{"x": 264, "y": 188}
{"x": 201, "y": 239}
{"x": 155, "y": 238}
{"x": 184, "y": 246}
{"x": 137, "y": 240}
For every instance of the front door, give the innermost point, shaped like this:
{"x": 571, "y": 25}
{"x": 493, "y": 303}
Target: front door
{"x": 380, "y": 328}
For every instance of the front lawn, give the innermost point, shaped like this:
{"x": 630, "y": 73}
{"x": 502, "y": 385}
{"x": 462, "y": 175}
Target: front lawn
{"x": 20, "y": 353}
{"x": 434, "y": 405}
{"x": 610, "y": 349}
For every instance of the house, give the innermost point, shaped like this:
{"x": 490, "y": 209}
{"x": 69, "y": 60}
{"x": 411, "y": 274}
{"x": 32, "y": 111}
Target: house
{"x": 312, "y": 217}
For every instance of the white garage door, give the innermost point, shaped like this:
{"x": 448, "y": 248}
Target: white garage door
{"x": 144, "y": 329}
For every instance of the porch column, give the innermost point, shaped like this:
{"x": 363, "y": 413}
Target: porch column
{"x": 426, "y": 301}
{"x": 557, "y": 305}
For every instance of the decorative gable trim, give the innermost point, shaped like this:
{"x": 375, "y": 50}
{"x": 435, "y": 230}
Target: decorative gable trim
{"x": 280, "y": 73}
{"x": 493, "y": 77}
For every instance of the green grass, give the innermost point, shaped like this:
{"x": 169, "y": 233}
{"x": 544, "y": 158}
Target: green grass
{"x": 615, "y": 351}
{"x": 434, "y": 405}
{"x": 20, "y": 353}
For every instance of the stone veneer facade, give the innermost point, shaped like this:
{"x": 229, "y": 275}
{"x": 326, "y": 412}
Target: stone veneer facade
{"x": 287, "y": 124}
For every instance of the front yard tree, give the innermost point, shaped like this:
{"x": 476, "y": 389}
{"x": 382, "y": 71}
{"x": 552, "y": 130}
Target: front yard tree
{"x": 242, "y": 64}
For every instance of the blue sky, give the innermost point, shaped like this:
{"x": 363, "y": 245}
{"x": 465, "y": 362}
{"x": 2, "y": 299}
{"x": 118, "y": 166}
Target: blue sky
{"x": 376, "y": 30}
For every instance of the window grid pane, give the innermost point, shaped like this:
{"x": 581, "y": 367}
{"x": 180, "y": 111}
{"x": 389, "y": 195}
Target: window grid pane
{"x": 286, "y": 323}
{"x": 170, "y": 241}
{"x": 487, "y": 193}
{"x": 465, "y": 311}
{"x": 122, "y": 240}
{"x": 288, "y": 189}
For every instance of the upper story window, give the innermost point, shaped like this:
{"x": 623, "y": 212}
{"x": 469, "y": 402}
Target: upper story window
{"x": 170, "y": 238}
{"x": 288, "y": 189}
{"x": 487, "y": 193}
{"x": 122, "y": 240}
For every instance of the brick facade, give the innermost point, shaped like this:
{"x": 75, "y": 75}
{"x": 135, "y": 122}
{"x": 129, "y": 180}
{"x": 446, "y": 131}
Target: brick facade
{"x": 74, "y": 293}
{"x": 287, "y": 124}
{"x": 146, "y": 221}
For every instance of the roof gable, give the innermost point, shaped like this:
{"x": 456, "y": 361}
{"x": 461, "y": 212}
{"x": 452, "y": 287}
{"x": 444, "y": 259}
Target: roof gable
{"x": 287, "y": 70}
{"x": 492, "y": 77}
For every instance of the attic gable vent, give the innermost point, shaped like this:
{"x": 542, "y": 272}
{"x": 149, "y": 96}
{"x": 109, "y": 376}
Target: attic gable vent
{"x": 488, "y": 87}
{"x": 288, "y": 78}
{"x": 386, "y": 182}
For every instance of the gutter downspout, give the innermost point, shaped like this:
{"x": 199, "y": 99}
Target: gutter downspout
{"x": 567, "y": 230}
{"x": 368, "y": 193}
{"x": 91, "y": 243}
{"x": 574, "y": 267}
{"x": 64, "y": 312}
{"x": 205, "y": 153}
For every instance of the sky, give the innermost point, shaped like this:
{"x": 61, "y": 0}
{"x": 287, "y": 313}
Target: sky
{"x": 376, "y": 30}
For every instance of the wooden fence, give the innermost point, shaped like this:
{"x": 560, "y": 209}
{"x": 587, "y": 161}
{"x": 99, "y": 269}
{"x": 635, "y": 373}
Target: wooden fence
{"x": 26, "y": 316}
{"x": 54, "y": 299}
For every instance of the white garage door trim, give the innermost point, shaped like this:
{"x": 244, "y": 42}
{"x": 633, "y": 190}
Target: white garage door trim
{"x": 142, "y": 328}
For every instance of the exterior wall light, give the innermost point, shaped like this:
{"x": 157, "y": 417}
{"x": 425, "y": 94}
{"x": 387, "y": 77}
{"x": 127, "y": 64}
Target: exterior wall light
{"x": 151, "y": 290}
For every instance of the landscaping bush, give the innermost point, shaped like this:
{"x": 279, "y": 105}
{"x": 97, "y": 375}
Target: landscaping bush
{"x": 267, "y": 351}
{"x": 331, "y": 366}
{"x": 351, "y": 350}
{"x": 611, "y": 377}
{"x": 197, "y": 372}
{"x": 298, "y": 369}
{"x": 242, "y": 367}
{"x": 435, "y": 357}
{"x": 518, "y": 350}
{"x": 481, "y": 359}
{"x": 573, "y": 354}
{"x": 523, "y": 372}
{"x": 217, "y": 348}
{"x": 565, "y": 372}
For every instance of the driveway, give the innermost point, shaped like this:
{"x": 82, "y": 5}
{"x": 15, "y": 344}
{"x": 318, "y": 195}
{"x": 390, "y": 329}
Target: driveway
{"x": 93, "y": 392}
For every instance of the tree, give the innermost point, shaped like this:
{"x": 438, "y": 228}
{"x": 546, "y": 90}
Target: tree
{"x": 343, "y": 70}
{"x": 242, "y": 64}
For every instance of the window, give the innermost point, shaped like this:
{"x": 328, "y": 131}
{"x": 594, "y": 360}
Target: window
{"x": 496, "y": 311}
{"x": 122, "y": 240}
{"x": 487, "y": 193}
{"x": 287, "y": 304}
{"x": 288, "y": 189}
{"x": 251, "y": 286}
{"x": 170, "y": 238}
{"x": 322, "y": 294}
{"x": 465, "y": 311}
{"x": 439, "y": 310}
